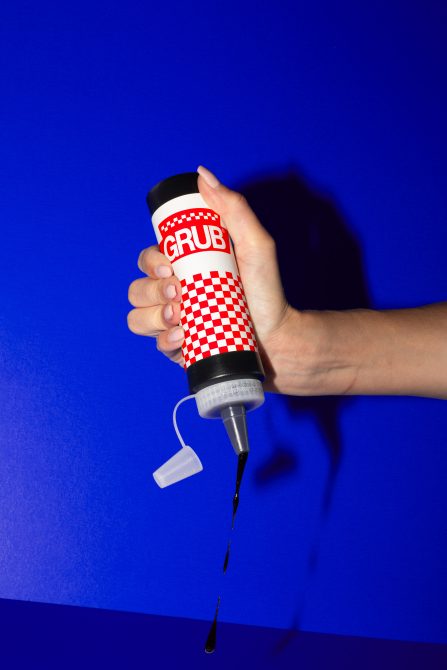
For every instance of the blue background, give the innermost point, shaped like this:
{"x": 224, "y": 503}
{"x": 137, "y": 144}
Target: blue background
{"x": 101, "y": 101}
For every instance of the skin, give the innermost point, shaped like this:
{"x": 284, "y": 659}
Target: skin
{"x": 353, "y": 352}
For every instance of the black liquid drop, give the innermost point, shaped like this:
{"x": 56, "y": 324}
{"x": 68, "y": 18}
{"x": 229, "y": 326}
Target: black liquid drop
{"x": 227, "y": 558}
{"x": 235, "y": 506}
{"x": 210, "y": 644}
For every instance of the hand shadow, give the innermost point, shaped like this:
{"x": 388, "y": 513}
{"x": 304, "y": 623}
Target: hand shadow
{"x": 321, "y": 267}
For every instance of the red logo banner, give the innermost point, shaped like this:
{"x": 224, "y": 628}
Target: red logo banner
{"x": 192, "y": 231}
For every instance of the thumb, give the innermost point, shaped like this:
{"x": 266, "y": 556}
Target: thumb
{"x": 255, "y": 253}
{"x": 242, "y": 223}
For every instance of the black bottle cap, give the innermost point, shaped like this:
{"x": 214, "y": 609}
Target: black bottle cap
{"x": 172, "y": 187}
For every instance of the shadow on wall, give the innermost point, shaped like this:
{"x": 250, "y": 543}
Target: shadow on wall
{"x": 321, "y": 268}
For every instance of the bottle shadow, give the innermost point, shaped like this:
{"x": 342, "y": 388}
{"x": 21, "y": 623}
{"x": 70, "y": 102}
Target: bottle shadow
{"x": 321, "y": 266}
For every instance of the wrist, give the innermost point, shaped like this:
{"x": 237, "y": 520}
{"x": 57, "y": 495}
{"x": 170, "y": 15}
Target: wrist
{"x": 309, "y": 354}
{"x": 360, "y": 352}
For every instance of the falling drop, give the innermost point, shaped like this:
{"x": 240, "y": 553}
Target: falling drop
{"x": 227, "y": 558}
{"x": 210, "y": 644}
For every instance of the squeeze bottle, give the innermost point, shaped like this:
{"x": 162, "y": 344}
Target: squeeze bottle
{"x": 220, "y": 352}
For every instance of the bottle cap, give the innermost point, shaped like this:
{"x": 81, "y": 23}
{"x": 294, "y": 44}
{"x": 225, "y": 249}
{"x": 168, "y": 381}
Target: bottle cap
{"x": 172, "y": 187}
{"x": 183, "y": 464}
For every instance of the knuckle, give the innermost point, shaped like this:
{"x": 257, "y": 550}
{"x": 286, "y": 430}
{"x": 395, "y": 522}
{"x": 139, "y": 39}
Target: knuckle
{"x": 263, "y": 241}
{"x": 148, "y": 291}
{"x": 161, "y": 344}
{"x": 131, "y": 321}
{"x": 152, "y": 251}
{"x": 145, "y": 259}
{"x": 268, "y": 241}
{"x": 140, "y": 261}
{"x": 237, "y": 200}
{"x": 132, "y": 292}
{"x": 160, "y": 292}
{"x": 159, "y": 321}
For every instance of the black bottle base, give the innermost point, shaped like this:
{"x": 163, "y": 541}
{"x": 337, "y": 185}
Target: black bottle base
{"x": 224, "y": 367}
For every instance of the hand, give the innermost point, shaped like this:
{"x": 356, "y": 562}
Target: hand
{"x": 355, "y": 352}
{"x": 157, "y": 301}
{"x": 157, "y": 312}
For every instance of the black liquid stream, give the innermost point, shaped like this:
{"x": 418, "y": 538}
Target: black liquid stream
{"x": 210, "y": 644}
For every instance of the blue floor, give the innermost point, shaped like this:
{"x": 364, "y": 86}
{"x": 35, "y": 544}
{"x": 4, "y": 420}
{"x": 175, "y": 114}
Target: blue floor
{"x": 44, "y": 636}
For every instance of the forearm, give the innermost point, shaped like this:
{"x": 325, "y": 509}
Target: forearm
{"x": 363, "y": 352}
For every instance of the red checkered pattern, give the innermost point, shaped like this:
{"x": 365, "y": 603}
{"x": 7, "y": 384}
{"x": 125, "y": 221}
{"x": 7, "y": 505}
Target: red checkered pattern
{"x": 215, "y": 317}
{"x": 180, "y": 218}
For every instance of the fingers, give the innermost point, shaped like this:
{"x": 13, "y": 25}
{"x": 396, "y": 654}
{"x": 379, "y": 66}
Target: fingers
{"x": 148, "y": 292}
{"x": 169, "y": 342}
{"x": 150, "y": 321}
{"x": 157, "y": 302}
{"x": 153, "y": 263}
{"x": 243, "y": 225}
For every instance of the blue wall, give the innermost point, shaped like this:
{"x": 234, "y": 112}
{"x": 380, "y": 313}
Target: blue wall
{"x": 342, "y": 524}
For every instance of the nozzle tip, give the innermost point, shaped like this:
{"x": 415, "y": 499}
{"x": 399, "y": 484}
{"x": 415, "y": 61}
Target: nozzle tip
{"x": 236, "y": 427}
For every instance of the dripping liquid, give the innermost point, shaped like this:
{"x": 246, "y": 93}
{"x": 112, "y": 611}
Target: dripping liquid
{"x": 210, "y": 644}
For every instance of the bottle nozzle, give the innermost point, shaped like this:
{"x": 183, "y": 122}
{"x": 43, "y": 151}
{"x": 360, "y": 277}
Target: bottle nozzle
{"x": 236, "y": 427}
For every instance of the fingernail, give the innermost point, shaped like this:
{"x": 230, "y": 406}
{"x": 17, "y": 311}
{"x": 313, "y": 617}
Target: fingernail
{"x": 168, "y": 312}
{"x": 176, "y": 335}
{"x": 208, "y": 176}
{"x": 163, "y": 271}
{"x": 170, "y": 291}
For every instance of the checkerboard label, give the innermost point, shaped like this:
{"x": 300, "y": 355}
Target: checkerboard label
{"x": 190, "y": 231}
{"x": 215, "y": 316}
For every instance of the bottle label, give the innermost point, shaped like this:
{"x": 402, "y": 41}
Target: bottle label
{"x": 191, "y": 231}
{"x": 214, "y": 310}
{"x": 215, "y": 316}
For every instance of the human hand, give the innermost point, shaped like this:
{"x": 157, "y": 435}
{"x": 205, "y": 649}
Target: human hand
{"x": 156, "y": 298}
{"x": 355, "y": 352}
